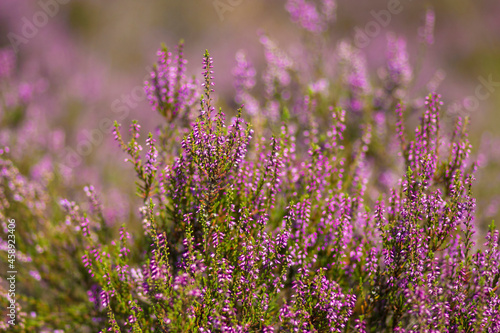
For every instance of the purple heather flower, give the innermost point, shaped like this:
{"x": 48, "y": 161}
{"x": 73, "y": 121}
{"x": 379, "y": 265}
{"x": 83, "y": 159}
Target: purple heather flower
{"x": 226, "y": 255}
{"x": 104, "y": 299}
{"x": 328, "y": 8}
{"x": 307, "y": 16}
{"x": 398, "y": 66}
{"x": 329, "y": 302}
{"x": 244, "y": 74}
{"x": 7, "y": 62}
{"x": 92, "y": 197}
{"x": 168, "y": 91}
{"x": 426, "y": 32}
{"x": 354, "y": 74}
{"x": 150, "y": 165}
{"x": 277, "y": 76}
{"x": 87, "y": 264}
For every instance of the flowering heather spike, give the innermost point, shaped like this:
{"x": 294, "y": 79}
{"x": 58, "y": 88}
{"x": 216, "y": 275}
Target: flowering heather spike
{"x": 422, "y": 153}
{"x": 7, "y": 63}
{"x": 277, "y": 76}
{"x": 146, "y": 171}
{"x": 244, "y": 73}
{"x": 306, "y": 14}
{"x": 208, "y": 65}
{"x": 328, "y": 8}
{"x": 354, "y": 74}
{"x": 244, "y": 80}
{"x": 426, "y": 33}
{"x": 169, "y": 91}
{"x": 85, "y": 226}
{"x": 104, "y": 299}
{"x": 331, "y": 309}
{"x": 87, "y": 264}
{"x": 398, "y": 66}
{"x": 150, "y": 166}
{"x": 400, "y": 127}
{"x": 94, "y": 200}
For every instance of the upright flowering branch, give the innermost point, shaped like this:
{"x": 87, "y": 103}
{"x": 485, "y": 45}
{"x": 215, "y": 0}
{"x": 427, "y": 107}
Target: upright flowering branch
{"x": 244, "y": 74}
{"x": 213, "y": 149}
{"x": 309, "y": 16}
{"x": 400, "y": 128}
{"x": 204, "y": 172}
{"x": 277, "y": 78}
{"x": 145, "y": 170}
{"x": 426, "y": 32}
{"x": 399, "y": 72}
{"x": 169, "y": 91}
{"x": 354, "y": 75}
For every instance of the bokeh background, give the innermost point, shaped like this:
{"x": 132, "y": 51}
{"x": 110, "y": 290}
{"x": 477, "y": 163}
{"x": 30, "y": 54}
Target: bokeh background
{"x": 90, "y": 59}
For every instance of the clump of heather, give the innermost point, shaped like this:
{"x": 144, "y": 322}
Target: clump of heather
{"x": 251, "y": 233}
{"x": 318, "y": 205}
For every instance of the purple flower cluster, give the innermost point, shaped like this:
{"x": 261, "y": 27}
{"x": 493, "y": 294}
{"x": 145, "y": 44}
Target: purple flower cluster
{"x": 168, "y": 91}
{"x": 244, "y": 74}
{"x": 309, "y": 16}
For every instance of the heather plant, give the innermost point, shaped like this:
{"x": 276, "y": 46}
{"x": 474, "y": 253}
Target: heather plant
{"x": 252, "y": 234}
{"x": 310, "y": 208}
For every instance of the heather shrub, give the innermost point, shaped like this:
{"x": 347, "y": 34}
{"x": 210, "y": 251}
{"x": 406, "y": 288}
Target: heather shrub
{"x": 269, "y": 234}
{"x": 318, "y": 205}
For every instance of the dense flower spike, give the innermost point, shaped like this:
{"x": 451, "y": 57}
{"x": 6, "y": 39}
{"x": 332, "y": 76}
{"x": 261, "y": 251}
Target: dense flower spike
{"x": 7, "y": 63}
{"x": 146, "y": 171}
{"x": 277, "y": 75}
{"x": 309, "y": 16}
{"x": 354, "y": 74}
{"x": 244, "y": 74}
{"x": 169, "y": 91}
{"x": 426, "y": 33}
{"x": 398, "y": 67}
